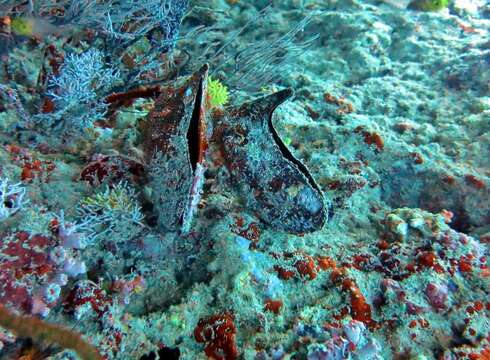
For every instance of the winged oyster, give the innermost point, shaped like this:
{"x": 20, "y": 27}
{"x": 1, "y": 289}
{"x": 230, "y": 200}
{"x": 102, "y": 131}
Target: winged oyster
{"x": 275, "y": 184}
{"x": 175, "y": 143}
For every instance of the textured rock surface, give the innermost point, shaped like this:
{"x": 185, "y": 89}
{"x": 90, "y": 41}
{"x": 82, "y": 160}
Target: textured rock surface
{"x": 391, "y": 115}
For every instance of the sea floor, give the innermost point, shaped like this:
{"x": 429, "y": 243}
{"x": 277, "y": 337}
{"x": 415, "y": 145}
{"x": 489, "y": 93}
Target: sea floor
{"x": 390, "y": 116}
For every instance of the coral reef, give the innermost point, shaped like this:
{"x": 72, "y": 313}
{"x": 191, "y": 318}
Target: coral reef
{"x": 327, "y": 198}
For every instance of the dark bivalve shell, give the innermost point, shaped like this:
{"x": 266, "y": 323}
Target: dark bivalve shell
{"x": 175, "y": 143}
{"x": 275, "y": 184}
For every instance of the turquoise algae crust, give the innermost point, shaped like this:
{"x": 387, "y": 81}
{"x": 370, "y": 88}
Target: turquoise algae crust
{"x": 335, "y": 206}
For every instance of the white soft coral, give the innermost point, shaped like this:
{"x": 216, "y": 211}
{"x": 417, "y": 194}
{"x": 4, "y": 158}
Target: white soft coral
{"x": 11, "y": 198}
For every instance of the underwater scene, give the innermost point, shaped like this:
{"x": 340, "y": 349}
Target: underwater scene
{"x": 244, "y": 180}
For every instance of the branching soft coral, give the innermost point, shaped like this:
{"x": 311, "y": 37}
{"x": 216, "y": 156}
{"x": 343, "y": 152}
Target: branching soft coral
{"x": 78, "y": 91}
{"x": 11, "y": 198}
{"x": 114, "y": 210}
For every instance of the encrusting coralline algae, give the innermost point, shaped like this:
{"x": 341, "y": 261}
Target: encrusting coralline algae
{"x": 333, "y": 205}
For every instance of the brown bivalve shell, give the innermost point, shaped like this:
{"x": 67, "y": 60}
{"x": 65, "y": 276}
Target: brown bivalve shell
{"x": 275, "y": 184}
{"x": 175, "y": 143}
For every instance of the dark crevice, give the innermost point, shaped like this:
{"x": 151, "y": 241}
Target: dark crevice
{"x": 163, "y": 354}
{"x": 193, "y": 136}
{"x": 461, "y": 221}
{"x": 287, "y": 154}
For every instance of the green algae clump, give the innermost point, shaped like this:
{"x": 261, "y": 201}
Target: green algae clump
{"x": 428, "y": 5}
{"x": 218, "y": 93}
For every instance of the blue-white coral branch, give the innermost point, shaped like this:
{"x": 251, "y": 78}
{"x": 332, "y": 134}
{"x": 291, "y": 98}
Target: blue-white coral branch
{"x": 79, "y": 90}
{"x": 11, "y": 198}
